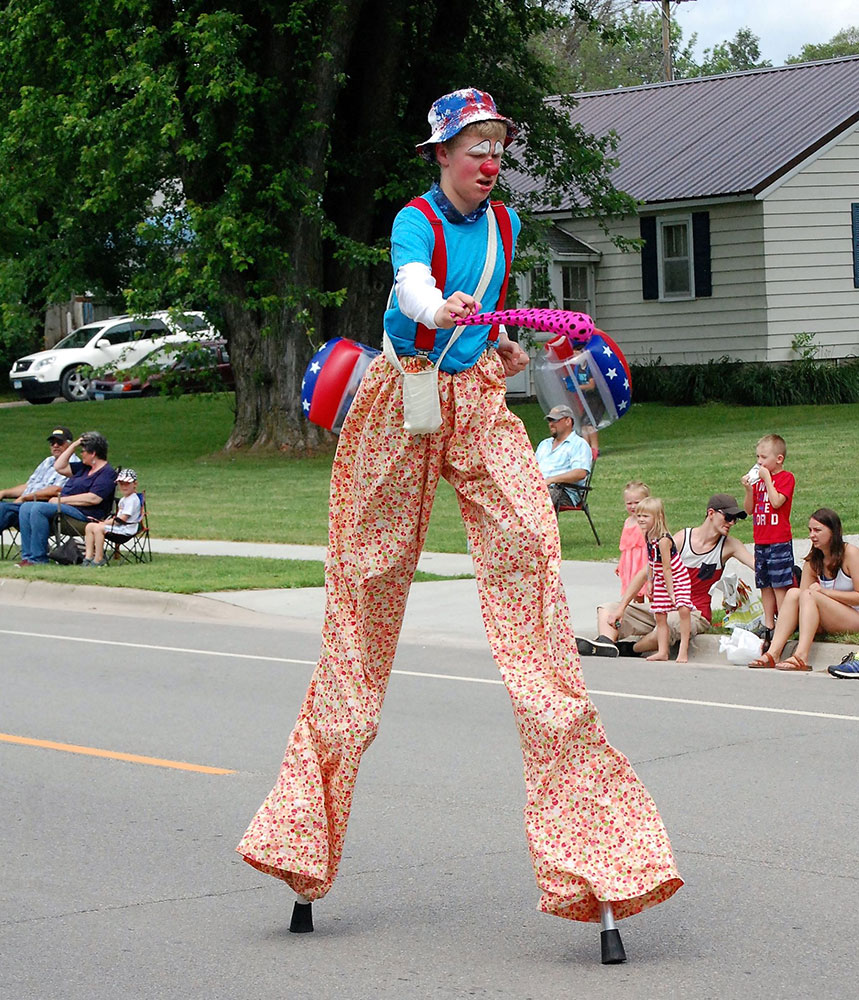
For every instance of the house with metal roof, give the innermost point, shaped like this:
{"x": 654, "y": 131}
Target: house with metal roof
{"x": 749, "y": 217}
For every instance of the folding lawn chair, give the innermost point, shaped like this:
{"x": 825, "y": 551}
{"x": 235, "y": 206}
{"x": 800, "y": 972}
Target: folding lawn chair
{"x": 9, "y": 545}
{"x": 584, "y": 488}
{"x": 133, "y": 548}
{"x": 69, "y": 529}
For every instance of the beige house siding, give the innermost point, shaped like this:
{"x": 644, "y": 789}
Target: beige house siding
{"x": 808, "y": 240}
{"x": 731, "y": 322}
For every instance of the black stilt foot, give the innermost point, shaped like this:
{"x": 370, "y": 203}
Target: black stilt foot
{"x": 302, "y": 918}
{"x": 612, "y": 947}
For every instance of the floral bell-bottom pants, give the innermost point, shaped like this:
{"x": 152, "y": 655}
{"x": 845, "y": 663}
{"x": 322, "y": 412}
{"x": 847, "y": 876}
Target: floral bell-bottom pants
{"x": 593, "y": 830}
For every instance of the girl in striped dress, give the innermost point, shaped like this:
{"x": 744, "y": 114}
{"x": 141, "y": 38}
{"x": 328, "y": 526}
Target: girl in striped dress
{"x": 668, "y": 583}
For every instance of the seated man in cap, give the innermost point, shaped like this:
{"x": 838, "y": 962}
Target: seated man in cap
{"x": 44, "y": 483}
{"x": 703, "y": 551}
{"x": 564, "y": 458}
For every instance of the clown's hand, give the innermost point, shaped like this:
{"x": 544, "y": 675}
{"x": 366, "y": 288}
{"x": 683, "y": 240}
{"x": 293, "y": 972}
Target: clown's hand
{"x": 512, "y": 357}
{"x": 459, "y": 304}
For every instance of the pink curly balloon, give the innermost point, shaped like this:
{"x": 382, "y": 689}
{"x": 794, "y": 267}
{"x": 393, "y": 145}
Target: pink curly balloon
{"x": 575, "y": 326}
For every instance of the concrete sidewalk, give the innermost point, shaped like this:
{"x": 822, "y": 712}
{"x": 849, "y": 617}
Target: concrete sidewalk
{"x": 451, "y": 607}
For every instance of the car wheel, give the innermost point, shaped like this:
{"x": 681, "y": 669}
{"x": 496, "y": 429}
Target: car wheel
{"x": 42, "y": 401}
{"x": 74, "y": 385}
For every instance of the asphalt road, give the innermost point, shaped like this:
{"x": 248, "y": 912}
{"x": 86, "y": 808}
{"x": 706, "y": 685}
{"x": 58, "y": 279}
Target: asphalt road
{"x": 119, "y": 878}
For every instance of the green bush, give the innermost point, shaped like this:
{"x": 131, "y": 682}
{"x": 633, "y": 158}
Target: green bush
{"x": 724, "y": 380}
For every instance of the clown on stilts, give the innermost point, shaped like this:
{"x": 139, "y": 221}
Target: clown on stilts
{"x": 599, "y": 849}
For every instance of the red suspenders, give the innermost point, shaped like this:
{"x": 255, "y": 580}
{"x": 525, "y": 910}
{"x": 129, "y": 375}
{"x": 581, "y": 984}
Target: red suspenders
{"x": 424, "y": 336}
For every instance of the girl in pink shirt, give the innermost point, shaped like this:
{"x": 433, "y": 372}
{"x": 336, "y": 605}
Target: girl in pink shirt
{"x": 633, "y": 547}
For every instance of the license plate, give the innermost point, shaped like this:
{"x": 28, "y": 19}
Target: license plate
{"x": 99, "y": 395}
{"x": 16, "y": 384}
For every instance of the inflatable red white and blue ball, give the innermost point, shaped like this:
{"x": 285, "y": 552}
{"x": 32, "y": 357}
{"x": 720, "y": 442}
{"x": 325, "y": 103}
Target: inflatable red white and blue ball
{"x": 561, "y": 371}
{"x": 331, "y": 380}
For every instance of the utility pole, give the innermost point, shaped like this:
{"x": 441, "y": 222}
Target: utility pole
{"x": 667, "y": 61}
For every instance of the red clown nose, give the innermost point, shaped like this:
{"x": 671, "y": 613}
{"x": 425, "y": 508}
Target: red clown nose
{"x": 489, "y": 168}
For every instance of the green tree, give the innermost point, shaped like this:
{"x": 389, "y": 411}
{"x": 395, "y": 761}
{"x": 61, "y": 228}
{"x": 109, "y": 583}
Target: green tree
{"x": 603, "y": 44}
{"x": 741, "y": 52}
{"x": 842, "y": 43}
{"x": 249, "y": 156}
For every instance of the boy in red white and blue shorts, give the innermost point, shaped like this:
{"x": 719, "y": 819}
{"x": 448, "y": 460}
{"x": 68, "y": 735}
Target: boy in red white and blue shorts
{"x": 769, "y": 495}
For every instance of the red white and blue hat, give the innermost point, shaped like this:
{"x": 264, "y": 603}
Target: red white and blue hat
{"x": 450, "y": 114}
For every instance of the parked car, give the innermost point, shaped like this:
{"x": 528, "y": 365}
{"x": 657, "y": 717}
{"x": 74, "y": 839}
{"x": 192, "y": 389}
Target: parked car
{"x": 123, "y": 340}
{"x": 194, "y": 367}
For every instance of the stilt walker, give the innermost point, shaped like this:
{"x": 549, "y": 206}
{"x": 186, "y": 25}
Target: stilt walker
{"x": 599, "y": 848}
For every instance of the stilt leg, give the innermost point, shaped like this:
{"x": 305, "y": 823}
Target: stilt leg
{"x": 610, "y": 942}
{"x": 302, "y": 917}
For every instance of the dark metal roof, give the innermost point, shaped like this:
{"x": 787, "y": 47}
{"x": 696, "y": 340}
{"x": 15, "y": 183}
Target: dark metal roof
{"x": 563, "y": 242}
{"x": 719, "y": 135}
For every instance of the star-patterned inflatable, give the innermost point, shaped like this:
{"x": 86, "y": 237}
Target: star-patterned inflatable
{"x": 592, "y": 379}
{"x": 331, "y": 380}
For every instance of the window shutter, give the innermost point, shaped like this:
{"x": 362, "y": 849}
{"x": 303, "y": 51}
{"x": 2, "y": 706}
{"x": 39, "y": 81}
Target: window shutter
{"x": 649, "y": 265}
{"x": 701, "y": 251}
{"x": 854, "y": 211}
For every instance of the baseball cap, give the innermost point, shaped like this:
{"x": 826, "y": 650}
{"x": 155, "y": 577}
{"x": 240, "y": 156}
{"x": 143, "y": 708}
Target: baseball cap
{"x": 126, "y": 476}
{"x": 726, "y": 504}
{"x": 63, "y": 433}
{"x": 558, "y": 412}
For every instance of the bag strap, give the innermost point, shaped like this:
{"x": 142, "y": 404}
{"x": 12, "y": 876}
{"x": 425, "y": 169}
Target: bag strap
{"x": 424, "y": 336}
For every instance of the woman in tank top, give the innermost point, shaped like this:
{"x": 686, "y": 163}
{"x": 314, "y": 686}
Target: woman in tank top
{"x": 827, "y": 599}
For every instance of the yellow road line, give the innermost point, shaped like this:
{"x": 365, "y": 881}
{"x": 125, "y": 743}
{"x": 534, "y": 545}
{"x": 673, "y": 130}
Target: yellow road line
{"x": 113, "y": 755}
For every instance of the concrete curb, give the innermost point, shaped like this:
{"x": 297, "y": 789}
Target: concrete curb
{"x": 126, "y": 601}
{"x": 217, "y": 609}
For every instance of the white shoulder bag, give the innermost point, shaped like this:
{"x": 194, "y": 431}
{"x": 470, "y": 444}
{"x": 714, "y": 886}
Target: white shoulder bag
{"x": 421, "y": 404}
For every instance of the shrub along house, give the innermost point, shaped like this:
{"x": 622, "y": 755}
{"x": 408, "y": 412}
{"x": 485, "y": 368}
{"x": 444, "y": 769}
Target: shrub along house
{"x": 749, "y": 191}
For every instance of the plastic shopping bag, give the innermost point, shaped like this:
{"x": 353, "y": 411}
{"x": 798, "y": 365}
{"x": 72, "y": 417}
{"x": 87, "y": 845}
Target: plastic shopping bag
{"x": 742, "y": 610}
{"x": 741, "y": 646}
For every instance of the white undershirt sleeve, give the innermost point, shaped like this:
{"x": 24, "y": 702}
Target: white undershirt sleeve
{"x": 417, "y": 294}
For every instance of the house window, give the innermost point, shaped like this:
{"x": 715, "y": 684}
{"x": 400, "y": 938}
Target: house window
{"x": 541, "y": 287}
{"x": 675, "y": 258}
{"x": 574, "y": 279}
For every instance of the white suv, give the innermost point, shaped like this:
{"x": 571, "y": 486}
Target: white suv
{"x": 120, "y": 340}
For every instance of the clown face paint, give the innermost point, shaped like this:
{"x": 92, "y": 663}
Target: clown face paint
{"x": 469, "y": 173}
{"x": 485, "y": 148}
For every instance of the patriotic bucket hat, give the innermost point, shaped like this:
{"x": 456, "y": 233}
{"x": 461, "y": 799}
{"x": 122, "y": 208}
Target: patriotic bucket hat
{"x": 450, "y": 114}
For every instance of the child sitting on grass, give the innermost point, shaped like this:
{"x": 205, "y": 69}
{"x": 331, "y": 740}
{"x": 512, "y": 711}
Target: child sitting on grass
{"x": 124, "y": 522}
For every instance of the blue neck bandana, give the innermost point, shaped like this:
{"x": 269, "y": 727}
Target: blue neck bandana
{"x": 451, "y": 212}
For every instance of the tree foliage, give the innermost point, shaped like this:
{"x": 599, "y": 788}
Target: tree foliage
{"x": 248, "y": 157}
{"x": 609, "y": 43}
{"x": 842, "y": 43}
{"x": 741, "y": 52}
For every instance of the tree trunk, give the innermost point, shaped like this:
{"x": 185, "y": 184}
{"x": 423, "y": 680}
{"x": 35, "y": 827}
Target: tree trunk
{"x": 270, "y": 352}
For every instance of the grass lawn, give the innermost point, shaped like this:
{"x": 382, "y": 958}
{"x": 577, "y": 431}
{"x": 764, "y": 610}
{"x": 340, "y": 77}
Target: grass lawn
{"x": 684, "y": 453}
{"x": 179, "y": 574}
